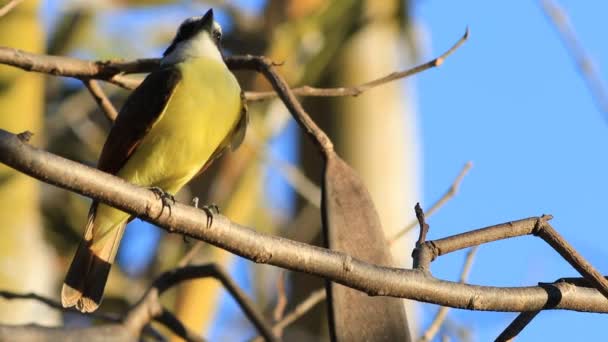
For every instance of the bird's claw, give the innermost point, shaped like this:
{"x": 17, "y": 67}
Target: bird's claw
{"x": 166, "y": 198}
{"x": 210, "y": 210}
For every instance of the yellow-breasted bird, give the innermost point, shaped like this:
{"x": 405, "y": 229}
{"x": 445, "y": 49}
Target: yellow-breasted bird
{"x": 181, "y": 118}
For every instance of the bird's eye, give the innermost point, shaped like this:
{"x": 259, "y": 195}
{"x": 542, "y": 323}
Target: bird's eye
{"x": 217, "y": 35}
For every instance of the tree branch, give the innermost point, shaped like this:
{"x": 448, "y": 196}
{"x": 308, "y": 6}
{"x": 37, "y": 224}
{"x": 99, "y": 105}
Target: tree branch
{"x": 147, "y": 309}
{"x": 449, "y": 194}
{"x": 559, "y": 19}
{"x": 300, "y": 257}
{"x": 114, "y": 71}
{"x": 358, "y": 90}
{"x": 9, "y": 7}
{"x": 102, "y": 100}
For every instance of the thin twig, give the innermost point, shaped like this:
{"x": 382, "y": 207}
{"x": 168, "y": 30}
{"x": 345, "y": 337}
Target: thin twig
{"x": 424, "y": 227}
{"x": 559, "y": 18}
{"x": 9, "y": 7}
{"x": 279, "y": 308}
{"x": 449, "y": 194}
{"x": 113, "y": 71}
{"x": 313, "y": 299}
{"x": 187, "y": 258}
{"x": 300, "y": 310}
{"x": 357, "y": 90}
{"x": 170, "y": 278}
{"x": 54, "y": 304}
{"x": 441, "y": 315}
{"x": 519, "y": 323}
{"x": 297, "y": 179}
{"x": 102, "y": 100}
{"x": 168, "y": 319}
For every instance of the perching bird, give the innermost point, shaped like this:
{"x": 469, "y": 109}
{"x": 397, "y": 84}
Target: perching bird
{"x": 181, "y": 118}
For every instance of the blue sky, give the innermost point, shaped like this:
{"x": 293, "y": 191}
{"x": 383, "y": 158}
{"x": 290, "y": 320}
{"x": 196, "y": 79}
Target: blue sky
{"x": 512, "y": 101}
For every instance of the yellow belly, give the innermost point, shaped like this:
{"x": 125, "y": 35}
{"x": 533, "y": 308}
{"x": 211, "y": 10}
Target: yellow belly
{"x": 202, "y": 111}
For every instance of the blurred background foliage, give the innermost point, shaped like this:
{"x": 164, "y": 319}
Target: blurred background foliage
{"x": 324, "y": 43}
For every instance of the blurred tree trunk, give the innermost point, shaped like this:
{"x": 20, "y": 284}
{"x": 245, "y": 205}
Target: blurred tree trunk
{"x": 376, "y": 133}
{"x": 29, "y": 262}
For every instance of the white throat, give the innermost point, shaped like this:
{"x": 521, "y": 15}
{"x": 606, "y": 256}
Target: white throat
{"x": 198, "y": 46}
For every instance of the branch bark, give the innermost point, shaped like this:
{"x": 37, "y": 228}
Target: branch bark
{"x": 114, "y": 71}
{"x": 300, "y": 257}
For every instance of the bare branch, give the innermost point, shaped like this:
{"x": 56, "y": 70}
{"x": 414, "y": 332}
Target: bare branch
{"x": 331, "y": 265}
{"x": 357, "y": 90}
{"x": 424, "y": 227}
{"x": 9, "y": 7}
{"x": 170, "y": 278}
{"x": 147, "y": 309}
{"x": 113, "y": 71}
{"x": 449, "y": 194}
{"x": 169, "y": 320}
{"x": 110, "y": 71}
{"x": 102, "y": 100}
{"x": 559, "y": 18}
{"x": 519, "y": 323}
{"x": 279, "y": 308}
{"x": 54, "y": 304}
{"x": 297, "y": 179}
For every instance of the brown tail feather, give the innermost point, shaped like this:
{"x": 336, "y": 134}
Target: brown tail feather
{"x": 86, "y": 279}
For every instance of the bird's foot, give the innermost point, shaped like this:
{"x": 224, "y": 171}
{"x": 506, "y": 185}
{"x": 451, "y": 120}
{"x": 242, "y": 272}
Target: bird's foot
{"x": 210, "y": 210}
{"x": 166, "y": 198}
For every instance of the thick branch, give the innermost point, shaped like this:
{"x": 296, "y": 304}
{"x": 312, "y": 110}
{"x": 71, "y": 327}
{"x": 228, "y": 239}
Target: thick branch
{"x": 296, "y": 256}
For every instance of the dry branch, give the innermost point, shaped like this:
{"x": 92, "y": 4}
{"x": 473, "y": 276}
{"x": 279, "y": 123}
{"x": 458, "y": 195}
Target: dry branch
{"x": 114, "y": 71}
{"x": 9, "y": 7}
{"x": 449, "y": 194}
{"x": 358, "y": 90}
{"x": 141, "y": 314}
{"x": 300, "y": 257}
{"x": 559, "y": 18}
{"x": 102, "y": 100}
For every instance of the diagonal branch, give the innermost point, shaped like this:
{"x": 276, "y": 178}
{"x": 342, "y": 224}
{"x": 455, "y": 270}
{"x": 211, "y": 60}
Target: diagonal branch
{"x": 9, "y": 7}
{"x": 102, "y": 100}
{"x": 170, "y": 278}
{"x": 358, "y": 90}
{"x": 519, "y": 323}
{"x": 451, "y": 192}
{"x": 558, "y": 17}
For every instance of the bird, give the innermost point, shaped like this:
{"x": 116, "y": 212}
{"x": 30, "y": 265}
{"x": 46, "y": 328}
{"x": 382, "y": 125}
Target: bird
{"x": 181, "y": 118}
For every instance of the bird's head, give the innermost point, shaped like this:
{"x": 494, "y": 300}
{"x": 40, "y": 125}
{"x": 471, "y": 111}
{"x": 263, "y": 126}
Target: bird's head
{"x": 196, "y": 37}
